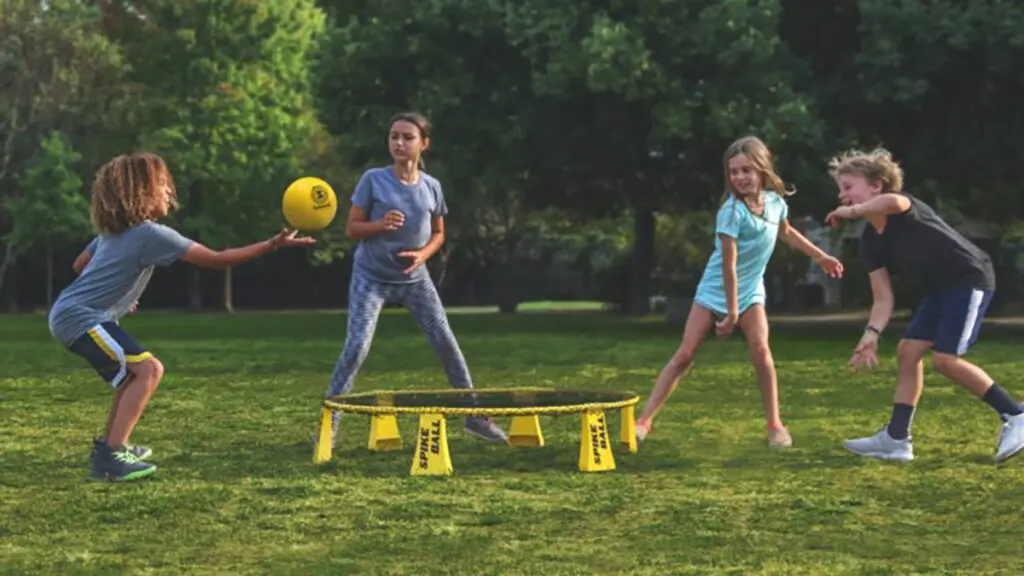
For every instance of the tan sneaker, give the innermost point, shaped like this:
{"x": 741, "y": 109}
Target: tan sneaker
{"x": 642, "y": 429}
{"x": 779, "y": 438}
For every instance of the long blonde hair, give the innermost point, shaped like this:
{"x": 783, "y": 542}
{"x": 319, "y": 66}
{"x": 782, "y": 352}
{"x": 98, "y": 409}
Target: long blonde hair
{"x": 761, "y": 157}
{"x": 877, "y": 167}
{"x": 127, "y": 190}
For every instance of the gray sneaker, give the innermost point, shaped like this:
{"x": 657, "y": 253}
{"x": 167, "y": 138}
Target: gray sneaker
{"x": 883, "y": 447}
{"x": 484, "y": 429}
{"x": 1011, "y": 438}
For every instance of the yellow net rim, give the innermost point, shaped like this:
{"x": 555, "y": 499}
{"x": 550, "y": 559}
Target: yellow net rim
{"x": 338, "y": 403}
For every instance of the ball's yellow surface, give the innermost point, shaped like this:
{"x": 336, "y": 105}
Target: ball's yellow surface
{"x": 309, "y": 204}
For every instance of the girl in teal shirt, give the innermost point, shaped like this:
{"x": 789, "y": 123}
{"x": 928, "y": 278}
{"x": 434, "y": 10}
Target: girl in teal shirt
{"x": 752, "y": 217}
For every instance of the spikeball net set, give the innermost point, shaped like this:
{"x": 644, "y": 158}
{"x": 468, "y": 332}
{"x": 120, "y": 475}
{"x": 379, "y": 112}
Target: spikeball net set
{"x": 524, "y": 405}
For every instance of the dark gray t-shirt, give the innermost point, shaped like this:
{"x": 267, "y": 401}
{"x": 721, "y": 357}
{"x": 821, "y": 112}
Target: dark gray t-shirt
{"x": 923, "y": 246}
{"x": 380, "y": 191}
{"x": 114, "y": 278}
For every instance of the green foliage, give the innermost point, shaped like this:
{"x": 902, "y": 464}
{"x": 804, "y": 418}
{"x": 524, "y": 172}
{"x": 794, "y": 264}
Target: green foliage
{"x": 590, "y": 108}
{"x": 49, "y": 210}
{"x": 938, "y": 83}
{"x": 1012, "y": 243}
{"x": 58, "y": 70}
{"x": 229, "y": 104}
{"x": 682, "y": 246}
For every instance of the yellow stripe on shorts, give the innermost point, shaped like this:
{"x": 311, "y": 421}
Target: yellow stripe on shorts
{"x": 137, "y": 358}
{"x": 102, "y": 343}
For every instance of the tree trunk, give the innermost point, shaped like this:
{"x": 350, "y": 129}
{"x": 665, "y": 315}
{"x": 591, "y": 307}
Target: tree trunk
{"x": 49, "y": 277}
{"x": 13, "y": 307}
{"x": 509, "y": 293}
{"x": 229, "y": 303}
{"x": 643, "y": 262}
{"x": 7, "y": 262}
{"x": 195, "y": 290}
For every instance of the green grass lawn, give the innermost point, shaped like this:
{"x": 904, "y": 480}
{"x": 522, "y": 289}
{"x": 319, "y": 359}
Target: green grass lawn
{"x": 236, "y": 492}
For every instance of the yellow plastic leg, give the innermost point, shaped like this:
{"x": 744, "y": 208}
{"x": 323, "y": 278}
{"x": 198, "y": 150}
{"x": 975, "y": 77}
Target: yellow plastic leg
{"x": 595, "y": 448}
{"x": 525, "y": 431}
{"x": 627, "y": 435}
{"x": 322, "y": 453}
{"x": 384, "y": 433}
{"x": 432, "y": 456}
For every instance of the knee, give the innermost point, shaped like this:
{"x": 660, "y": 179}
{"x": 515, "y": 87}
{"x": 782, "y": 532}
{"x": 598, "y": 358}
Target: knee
{"x": 909, "y": 353}
{"x": 681, "y": 361}
{"x": 944, "y": 362}
{"x": 150, "y": 371}
{"x": 760, "y": 353}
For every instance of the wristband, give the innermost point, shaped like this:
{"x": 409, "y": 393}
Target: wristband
{"x": 870, "y": 328}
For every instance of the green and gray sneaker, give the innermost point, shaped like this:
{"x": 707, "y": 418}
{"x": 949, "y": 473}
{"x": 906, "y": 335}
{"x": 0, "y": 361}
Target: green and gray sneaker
{"x": 118, "y": 465}
{"x": 140, "y": 452}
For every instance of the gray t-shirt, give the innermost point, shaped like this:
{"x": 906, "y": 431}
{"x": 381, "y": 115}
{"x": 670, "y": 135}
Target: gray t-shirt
{"x": 114, "y": 278}
{"x": 380, "y": 191}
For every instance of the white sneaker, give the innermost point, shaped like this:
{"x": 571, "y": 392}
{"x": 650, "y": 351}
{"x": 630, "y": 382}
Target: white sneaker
{"x": 1011, "y": 438}
{"x": 884, "y": 447}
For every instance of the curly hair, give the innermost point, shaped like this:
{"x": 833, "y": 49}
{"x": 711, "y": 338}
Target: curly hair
{"x": 877, "y": 167}
{"x": 761, "y": 157}
{"x": 127, "y": 191}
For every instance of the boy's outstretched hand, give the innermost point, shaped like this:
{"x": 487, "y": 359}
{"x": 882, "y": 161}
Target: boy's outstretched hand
{"x": 865, "y": 355}
{"x": 841, "y": 213}
{"x": 287, "y": 238}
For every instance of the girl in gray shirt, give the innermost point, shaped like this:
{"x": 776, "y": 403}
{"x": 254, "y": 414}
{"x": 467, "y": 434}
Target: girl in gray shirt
{"x": 398, "y": 216}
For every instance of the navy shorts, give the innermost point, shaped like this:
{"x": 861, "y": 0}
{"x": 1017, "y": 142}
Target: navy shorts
{"x": 950, "y": 320}
{"x": 109, "y": 350}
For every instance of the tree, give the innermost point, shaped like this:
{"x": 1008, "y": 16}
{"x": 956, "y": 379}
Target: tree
{"x": 643, "y": 97}
{"x": 229, "y": 103}
{"x": 57, "y": 72}
{"x": 50, "y": 210}
{"x": 937, "y": 82}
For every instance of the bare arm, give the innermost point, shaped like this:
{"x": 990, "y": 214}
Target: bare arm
{"x": 881, "y": 205}
{"x": 81, "y": 261}
{"x": 219, "y": 260}
{"x": 883, "y": 299}
{"x": 360, "y": 227}
{"x": 865, "y": 355}
{"x": 436, "y": 237}
{"x": 418, "y": 258}
{"x": 205, "y": 258}
{"x": 794, "y": 239}
{"x": 729, "y": 275}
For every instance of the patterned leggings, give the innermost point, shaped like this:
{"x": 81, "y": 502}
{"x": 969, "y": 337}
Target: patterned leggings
{"x": 365, "y": 301}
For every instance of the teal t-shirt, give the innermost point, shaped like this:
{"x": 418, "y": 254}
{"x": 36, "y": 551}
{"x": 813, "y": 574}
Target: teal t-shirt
{"x": 755, "y": 241}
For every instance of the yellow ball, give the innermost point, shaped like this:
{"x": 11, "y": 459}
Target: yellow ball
{"x": 309, "y": 204}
